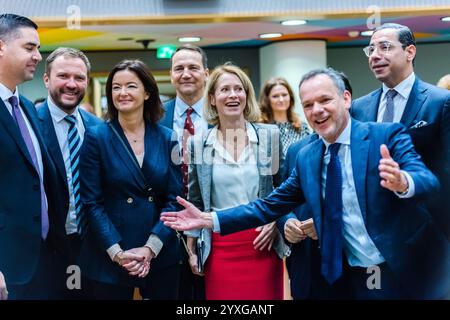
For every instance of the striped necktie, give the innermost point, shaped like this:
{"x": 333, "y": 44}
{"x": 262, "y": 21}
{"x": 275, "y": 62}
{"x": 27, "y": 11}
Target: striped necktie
{"x": 74, "y": 141}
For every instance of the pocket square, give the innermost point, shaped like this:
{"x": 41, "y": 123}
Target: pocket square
{"x": 419, "y": 124}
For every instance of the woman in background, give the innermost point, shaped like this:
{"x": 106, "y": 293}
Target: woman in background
{"x": 277, "y": 107}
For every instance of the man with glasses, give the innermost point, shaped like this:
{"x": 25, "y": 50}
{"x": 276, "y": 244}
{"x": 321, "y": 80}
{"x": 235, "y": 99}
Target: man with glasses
{"x": 423, "y": 108}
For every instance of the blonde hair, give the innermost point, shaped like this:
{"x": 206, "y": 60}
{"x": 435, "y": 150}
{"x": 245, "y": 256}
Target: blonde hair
{"x": 251, "y": 110}
{"x": 444, "y": 82}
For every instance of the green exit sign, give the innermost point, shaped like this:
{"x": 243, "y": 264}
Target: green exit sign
{"x": 165, "y": 52}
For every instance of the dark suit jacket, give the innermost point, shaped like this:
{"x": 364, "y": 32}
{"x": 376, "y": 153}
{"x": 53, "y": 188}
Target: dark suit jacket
{"x": 20, "y": 199}
{"x": 402, "y": 229}
{"x": 432, "y": 141}
{"x": 49, "y": 134}
{"x": 167, "y": 119}
{"x": 303, "y": 264}
{"x": 123, "y": 207}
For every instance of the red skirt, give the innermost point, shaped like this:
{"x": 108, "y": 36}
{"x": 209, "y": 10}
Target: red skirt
{"x": 236, "y": 271}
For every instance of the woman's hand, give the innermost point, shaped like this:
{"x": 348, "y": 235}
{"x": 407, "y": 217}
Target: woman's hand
{"x": 268, "y": 234}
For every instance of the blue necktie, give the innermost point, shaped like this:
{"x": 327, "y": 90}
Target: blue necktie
{"x": 388, "y": 115}
{"x": 29, "y": 143}
{"x": 74, "y": 141}
{"x": 332, "y": 219}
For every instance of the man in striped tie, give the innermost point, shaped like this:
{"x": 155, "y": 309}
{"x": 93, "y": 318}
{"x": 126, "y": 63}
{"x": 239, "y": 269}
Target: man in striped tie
{"x": 63, "y": 124}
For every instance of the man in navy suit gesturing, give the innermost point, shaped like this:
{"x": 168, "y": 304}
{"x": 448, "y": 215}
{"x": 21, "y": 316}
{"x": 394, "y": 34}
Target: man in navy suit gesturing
{"x": 363, "y": 183}
{"x": 421, "y": 107}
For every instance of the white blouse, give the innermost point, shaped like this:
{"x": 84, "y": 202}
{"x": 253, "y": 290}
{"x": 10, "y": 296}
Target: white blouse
{"x": 234, "y": 182}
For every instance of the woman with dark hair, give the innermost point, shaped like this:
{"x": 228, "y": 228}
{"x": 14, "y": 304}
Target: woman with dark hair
{"x": 277, "y": 107}
{"x": 127, "y": 179}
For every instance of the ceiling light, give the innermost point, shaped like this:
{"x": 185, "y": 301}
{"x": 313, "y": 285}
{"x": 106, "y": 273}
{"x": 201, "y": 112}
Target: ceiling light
{"x": 270, "y": 35}
{"x": 293, "y": 22}
{"x": 367, "y": 33}
{"x": 189, "y": 39}
{"x": 445, "y": 19}
{"x": 353, "y": 33}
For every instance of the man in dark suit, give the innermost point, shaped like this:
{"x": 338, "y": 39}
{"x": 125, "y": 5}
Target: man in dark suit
{"x": 66, "y": 78}
{"x": 364, "y": 224}
{"x": 421, "y": 107}
{"x": 188, "y": 73}
{"x": 303, "y": 263}
{"x": 28, "y": 198}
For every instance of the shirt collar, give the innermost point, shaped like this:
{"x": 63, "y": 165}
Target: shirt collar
{"x": 181, "y": 107}
{"x": 251, "y": 134}
{"x": 5, "y": 93}
{"x": 403, "y": 88}
{"x": 344, "y": 137}
{"x": 59, "y": 114}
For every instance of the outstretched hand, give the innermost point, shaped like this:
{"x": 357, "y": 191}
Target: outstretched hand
{"x": 391, "y": 176}
{"x": 188, "y": 219}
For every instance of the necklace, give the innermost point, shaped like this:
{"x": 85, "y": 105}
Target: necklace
{"x": 134, "y": 138}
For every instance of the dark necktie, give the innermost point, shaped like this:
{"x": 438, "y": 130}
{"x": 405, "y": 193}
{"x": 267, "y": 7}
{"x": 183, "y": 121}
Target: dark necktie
{"x": 388, "y": 115}
{"x": 188, "y": 131}
{"x": 74, "y": 142}
{"x": 29, "y": 143}
{"x": 332, "y": 219}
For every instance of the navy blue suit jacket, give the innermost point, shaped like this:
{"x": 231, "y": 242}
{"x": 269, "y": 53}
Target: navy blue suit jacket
{"x": 431, "y": 105}
{"x": 20, "y": 199}
{"x": 167, "y": 119}
{"x": 401, "y": 229}
{"x": 299, "y": 263}
{"x": 121, "y": 205}
{"x": 49, "y": 134}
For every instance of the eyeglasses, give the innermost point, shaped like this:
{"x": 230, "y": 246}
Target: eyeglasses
{"x": 382, "y": 47}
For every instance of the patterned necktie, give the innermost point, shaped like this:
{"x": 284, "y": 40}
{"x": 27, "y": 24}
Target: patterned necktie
{"x": 188, "y": 131}
{"x": 332, "y": 219}
{"x": 388, "y": 115}
{"x": 74, "y": 141}
{"x": 28, "y": 142}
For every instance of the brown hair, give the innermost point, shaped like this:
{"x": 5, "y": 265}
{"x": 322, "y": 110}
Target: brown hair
{"x": 266, "y": 109}
{"x": 153, "y": 110}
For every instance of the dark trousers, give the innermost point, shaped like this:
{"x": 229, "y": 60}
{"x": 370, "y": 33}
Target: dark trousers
{"x": 67, "y": 262}
{"x": 160, "y": 285}
{"x": 353, "y": 285}
{"x": 42, "y": 285}
{"x": 192, "y": 287}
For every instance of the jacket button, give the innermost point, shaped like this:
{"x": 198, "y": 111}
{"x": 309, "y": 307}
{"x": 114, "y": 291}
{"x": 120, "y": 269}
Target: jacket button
{"x": 149, "y": 189}
{"x": 130, "y": 200}
{"x": 150, "y": 199}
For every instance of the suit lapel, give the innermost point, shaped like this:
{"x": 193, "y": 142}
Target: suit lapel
{"x": 153, "y": 151}
{"x": 12, "y": 128}
{"x": 48, "y": 131}
{"x": 414, "y": 103}
{"x": 359, "y": 154}
{"x": 313, "y": 186}
{"x": 371, "y": 109}
{"x": 127, "y": 157}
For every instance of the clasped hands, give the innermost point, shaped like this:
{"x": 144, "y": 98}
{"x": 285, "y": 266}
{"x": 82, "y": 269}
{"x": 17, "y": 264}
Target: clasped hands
{"x": 136, "y": 261}
{"x": 296, "y": 230}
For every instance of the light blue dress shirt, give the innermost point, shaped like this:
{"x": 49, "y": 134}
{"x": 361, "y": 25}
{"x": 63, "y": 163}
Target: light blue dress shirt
{"x": 179, "y": 117}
